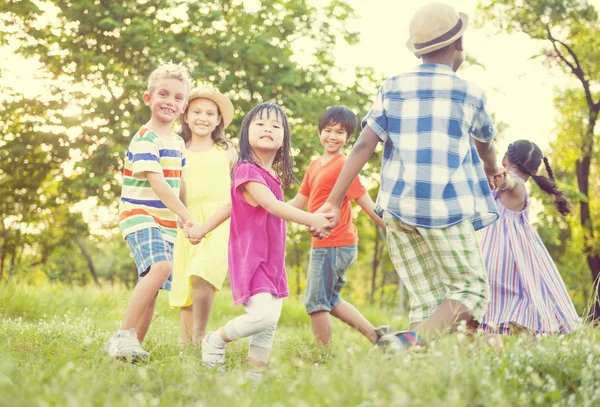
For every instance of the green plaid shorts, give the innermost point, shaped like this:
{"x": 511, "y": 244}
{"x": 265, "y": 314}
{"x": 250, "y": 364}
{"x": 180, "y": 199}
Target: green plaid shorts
{"x": 437, "y": 265}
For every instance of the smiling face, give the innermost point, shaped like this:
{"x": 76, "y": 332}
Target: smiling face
{"x": 333, "y": 137}
{"x": 167, "y": 100}
{"x": 265, "y": 132}
{"x": 202, "y": 116}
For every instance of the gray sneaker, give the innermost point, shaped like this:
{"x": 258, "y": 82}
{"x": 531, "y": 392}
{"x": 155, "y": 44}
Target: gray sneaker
{"x": 212, "y": 356}
{"x": 124, "y": 346}
{"x": 383, "y": 330}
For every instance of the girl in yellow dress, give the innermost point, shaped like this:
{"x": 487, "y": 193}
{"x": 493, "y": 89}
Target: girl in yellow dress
{"x": 199, "y": 271}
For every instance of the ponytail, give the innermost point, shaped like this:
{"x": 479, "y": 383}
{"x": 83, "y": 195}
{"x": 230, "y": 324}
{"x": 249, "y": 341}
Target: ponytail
{"x": 527, "y": 156}
{"x": 548, "y": 185}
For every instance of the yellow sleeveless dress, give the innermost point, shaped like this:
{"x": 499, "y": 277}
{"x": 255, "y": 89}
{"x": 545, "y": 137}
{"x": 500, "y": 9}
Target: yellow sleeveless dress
{"x": 207, "y": 182}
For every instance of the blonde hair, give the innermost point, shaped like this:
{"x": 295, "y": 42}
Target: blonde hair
{"x": 170, "y": 70}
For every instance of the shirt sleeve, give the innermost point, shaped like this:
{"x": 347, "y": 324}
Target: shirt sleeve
{"x": 483, "y": 126}
{"x": 247, "y": 172}
{"x": 144, "y": 155}
{"x": 305, "y": 186}
{"x": 183, "y": 160}
{"x": 356, "y": 190}
{"x": 377, "y": 119}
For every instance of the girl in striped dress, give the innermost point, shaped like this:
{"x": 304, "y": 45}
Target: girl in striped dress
{"x": 527, "y": 291}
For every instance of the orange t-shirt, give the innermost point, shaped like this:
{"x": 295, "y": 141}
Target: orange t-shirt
{"x": 317, "y": 185}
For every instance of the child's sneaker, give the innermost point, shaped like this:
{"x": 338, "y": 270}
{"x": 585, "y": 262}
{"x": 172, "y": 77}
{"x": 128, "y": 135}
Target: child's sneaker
{"x": 125, "y": 345}
{"x": 212, "y": 355}
{"x": 400, "y": 341}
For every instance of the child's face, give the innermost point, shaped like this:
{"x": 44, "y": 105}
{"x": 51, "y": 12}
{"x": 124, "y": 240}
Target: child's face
{"x": 168, "y": 100}
{"x": 333, "y": 137}
{"x": 265, "y": 133}
{"x": 202, "y": 116}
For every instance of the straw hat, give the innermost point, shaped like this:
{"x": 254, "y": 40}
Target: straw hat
{"x": 207, "y": 92}
{"x": 434, "y": 26}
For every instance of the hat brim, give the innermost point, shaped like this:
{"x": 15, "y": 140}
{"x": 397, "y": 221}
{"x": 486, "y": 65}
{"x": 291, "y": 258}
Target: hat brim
{"x": 439, "y": 45}
{"x": 225, "y": 105}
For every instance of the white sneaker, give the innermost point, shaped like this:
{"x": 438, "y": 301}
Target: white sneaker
{"x": 125, "y": 346}
{"x": 212, "y": 356}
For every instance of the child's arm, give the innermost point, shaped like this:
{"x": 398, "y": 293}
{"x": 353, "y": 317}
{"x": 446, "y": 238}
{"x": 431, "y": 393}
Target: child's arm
{"x": 182, "y": 198}
{"x": 164, "y": 192}
{"x": 360, "y": 154}
{"x": 232, "y": 156}
{"x": 367, "y": 205}
{"x": 299, "y": 201}
{"x": 487, "y": 153}
{"x": 197, "y": 232}
{"x": 256, "y": 193}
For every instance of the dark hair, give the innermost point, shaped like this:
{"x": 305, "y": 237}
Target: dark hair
{"x": 283, "y": 162}
{"x": 339, "y": 115}
{"x": 217, "y": 135}
{"x": 527, "y": 157}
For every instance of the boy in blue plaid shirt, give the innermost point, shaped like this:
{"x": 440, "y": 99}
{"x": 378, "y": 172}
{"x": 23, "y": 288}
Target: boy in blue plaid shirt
{"x": 435, "y": 190}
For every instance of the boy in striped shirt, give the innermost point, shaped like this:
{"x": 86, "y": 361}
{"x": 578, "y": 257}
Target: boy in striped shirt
{"x": 150, "y": 203}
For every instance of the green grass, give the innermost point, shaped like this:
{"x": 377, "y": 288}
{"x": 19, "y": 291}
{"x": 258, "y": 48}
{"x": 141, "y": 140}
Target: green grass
{"x": 51, "y": 342}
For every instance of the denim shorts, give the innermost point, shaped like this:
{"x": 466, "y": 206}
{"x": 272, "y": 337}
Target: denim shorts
{"x": 148, "y": 246}
{"x": 326, "y": 276}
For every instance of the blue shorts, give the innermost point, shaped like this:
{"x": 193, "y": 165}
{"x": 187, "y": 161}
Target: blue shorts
{"x": 148, "y": 246}
{"x": 326, "y": 276}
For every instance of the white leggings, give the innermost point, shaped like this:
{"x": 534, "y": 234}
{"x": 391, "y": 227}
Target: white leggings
{"x": 260, "y": 320}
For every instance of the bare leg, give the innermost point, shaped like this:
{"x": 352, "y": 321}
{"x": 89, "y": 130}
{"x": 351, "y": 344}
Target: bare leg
{"x": 146, "y": 319}
{"x": 443, "y": 318}
{"x": 345, "y": 312}
{"x": 494, "y": 341}
{"x": 321, "y": 325}
{"x": 521, "y": 330}
{"x": 204, "y": 295}
{"x": 186, "y": 320}
{"x": 144, "y": 295}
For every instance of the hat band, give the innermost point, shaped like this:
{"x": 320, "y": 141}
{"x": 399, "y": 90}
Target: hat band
{"x": 444, "y": 37}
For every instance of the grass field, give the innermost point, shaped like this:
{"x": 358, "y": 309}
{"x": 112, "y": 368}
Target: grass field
{"x": 51, "y": 342}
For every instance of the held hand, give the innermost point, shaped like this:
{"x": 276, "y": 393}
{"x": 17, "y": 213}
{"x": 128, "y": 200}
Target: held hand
{"x": 501, "y": 181}
{"x": 180, "y": 223}
{"x": 193, "y": 231}
{"x": 321, "y": 224}
{"x": 334, "y": 217}
{"x": 492, "y": 174}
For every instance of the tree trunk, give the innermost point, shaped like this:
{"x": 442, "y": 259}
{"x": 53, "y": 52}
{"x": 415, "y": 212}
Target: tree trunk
{"x": 2, "y": 258}
{"x": 84, "y": 251}
{"x": 3, "y": 254}
{"x": 11, "y": 270}
{"x": 583, "y": 173}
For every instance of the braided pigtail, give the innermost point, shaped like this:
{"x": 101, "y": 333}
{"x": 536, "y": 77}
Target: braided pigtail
{"x": 548, "y": 185}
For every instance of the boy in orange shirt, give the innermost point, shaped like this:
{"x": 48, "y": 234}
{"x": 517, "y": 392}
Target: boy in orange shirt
{"x": 330, "y": 258}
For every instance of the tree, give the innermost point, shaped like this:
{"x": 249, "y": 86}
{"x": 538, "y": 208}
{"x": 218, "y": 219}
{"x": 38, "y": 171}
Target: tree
{"x": 103, "y": 52}
{"x": 572, "y": 31}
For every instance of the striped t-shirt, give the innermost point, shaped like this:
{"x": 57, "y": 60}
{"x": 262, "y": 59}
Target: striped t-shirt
{"x": 140, "y": 207}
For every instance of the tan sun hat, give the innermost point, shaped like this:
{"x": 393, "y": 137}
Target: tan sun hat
{"x": 208, "y": 92}
{"x": 434, "y": 26}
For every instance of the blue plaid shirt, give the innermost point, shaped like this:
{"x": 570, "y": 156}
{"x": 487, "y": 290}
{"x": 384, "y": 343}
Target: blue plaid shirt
{"x": 431, "y": 174}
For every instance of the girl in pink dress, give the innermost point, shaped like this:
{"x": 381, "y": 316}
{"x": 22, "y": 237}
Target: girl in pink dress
{"x": 527, "y": 291}
{"x": 257, "y": 236}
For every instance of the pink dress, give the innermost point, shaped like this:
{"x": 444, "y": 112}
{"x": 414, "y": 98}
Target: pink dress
{"x": 256, "y": 239}
{"x": 525, "y": 285}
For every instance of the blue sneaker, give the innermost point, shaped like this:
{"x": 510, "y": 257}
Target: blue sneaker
{"x": 400, "y": 341}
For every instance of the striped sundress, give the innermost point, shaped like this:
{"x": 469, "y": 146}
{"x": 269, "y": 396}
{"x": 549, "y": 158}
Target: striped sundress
{"x": 525, "y": 285}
